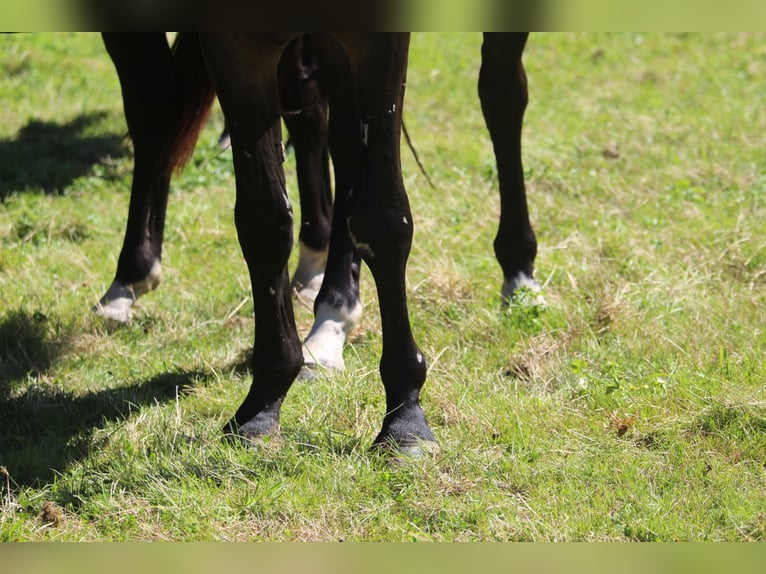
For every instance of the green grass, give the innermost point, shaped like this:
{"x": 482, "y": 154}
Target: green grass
{"x": 632, "y": 408}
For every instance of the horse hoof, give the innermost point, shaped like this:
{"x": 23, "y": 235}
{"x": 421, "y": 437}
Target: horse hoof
{"x": 308, "y": 276}
{"x": 307, "y": 294}
{"x": 263, "y": 443}
{"x": 403, "y": 452}
{"x": 118, "y": 310}
{"x": 309, "y": 372}
{"x": 117, "y": 302}
{"x": 260, "y": 431}
{"x": 522, "y": 289}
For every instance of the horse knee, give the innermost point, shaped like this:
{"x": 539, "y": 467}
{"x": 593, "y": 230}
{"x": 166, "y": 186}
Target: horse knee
{"x": 265, "y": 235}
{"x": 381, "y": 233}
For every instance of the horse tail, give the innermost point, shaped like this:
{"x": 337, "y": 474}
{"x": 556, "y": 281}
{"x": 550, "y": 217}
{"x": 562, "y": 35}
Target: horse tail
{"x": 195, "y": 95}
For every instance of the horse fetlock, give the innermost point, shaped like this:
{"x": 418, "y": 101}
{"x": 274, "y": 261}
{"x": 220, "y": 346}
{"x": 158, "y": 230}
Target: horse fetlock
{"x": 117, "y": 302}
{"x": 324, "y": 345}
{"x": 522, "y": 288}
{"x": 308, "y": 276}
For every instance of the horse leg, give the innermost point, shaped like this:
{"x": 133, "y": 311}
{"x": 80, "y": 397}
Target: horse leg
{"x": 166, "y": 95}
{"x": 244, "y": 72}
{"x": 337, "y": 308}
{"x": 503, "y": 94}
{"x": 304, "y": 110}
{"x": 380, "y": 223}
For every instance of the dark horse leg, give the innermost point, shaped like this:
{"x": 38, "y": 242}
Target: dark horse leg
{"x": 337, "y": 309}
{"x": 304, "y": 110}
{"x": 503, "y": 94}
{"x": 243, "y": 68}
{"x": 166, "y": 95}
{"x": 244, "y": 71}
{"x": 380, "y": 225}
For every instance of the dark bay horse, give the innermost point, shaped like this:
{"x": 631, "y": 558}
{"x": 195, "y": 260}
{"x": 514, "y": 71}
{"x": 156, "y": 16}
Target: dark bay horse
{"x": 167, "y": 95}
{"x": 363, "y": 77}
{"x": 503, "y": 94}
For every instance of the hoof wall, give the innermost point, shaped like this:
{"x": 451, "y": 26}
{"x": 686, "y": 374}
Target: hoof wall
{"x": 407, "y": 451}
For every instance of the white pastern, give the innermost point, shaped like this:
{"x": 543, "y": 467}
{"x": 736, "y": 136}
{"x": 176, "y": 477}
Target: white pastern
{"x": 118, "y": 301}
{"x": 324, "y": 345}
{"x": 308, "y": 276}
{"x": 522, "y": 283}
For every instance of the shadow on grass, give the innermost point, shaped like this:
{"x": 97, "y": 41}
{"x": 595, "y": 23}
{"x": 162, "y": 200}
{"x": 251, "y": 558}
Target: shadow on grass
{"x": 50, "y": 156}
{"x": 44, "y": 428}
{"x": 29, "y": 345}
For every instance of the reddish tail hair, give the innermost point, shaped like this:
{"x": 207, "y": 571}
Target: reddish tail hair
{"x": 196, "y": 97}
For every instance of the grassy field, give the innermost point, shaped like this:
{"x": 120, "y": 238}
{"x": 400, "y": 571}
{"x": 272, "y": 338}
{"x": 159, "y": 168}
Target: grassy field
{"x": 633, "y": 407}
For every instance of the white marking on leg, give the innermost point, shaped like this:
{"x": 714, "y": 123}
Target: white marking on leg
{"x": 365, "y": 132}
{"x": 117, "y": 302}
{"x": 224, "y": 142}
{"x": 524, "y": 288}
{"x": 324, "y": 345}
{"x": 308, "y": 276}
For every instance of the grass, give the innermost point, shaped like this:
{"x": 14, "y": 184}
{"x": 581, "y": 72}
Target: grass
{"x": 631, "y": 408}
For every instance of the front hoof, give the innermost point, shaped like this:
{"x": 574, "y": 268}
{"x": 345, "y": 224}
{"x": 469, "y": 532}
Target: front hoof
{"x": 260, "y": 430}
{"x": 310, "y": 372}
{"x": 408, "y": 450}
{"x": 259, "y": 443}
{"x": 308, "y": 292}
{"x": 119, "y": 310}
{"x": 406, "y": 433}
{"x": 308, "y": 276}
{"x": 323, "y": 353}
{"x": 117, "y": 302}
{"x": 246, "y": 438}
{"x": 522, "y": 290}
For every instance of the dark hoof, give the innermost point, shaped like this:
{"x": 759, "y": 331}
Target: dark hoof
{"x": 257, "y": 433}
{"x": 311, "y": 372}
{"x": 406, "y": 433}
{"x": 308, "y": 373}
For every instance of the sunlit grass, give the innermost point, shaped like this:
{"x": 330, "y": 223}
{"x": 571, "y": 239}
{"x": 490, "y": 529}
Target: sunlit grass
{"x": 631, "y": 408}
